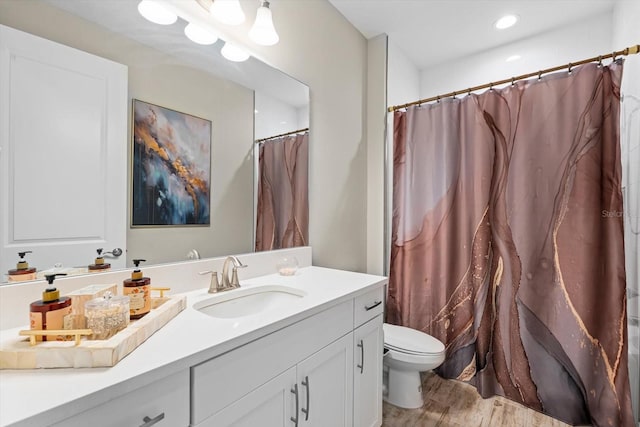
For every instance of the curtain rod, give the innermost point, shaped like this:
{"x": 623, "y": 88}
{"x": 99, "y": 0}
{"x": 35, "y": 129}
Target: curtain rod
{"x": 282, "y": 134}
{"x": 628, "y": 51}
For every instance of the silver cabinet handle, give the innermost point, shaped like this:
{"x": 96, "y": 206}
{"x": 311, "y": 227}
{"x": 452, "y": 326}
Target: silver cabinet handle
{"x": 361, "y": 366}
{"x": 306, "y": 411}
{"x": 372, "y": 306}
{"x": 148, "y": 422}
{"x": 294, "y": 390}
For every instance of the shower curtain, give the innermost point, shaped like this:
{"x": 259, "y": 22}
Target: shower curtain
{"x": 507, "y": 241}
{"x": 283, "y": 196}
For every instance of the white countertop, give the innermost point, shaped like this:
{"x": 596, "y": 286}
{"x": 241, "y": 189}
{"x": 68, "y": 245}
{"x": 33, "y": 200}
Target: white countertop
{"x": 45, "y": 396}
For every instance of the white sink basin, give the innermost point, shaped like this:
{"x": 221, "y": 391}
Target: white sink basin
{"x": 248, "y": 301}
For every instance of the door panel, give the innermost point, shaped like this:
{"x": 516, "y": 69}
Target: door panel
{"x": 63, "y": 118}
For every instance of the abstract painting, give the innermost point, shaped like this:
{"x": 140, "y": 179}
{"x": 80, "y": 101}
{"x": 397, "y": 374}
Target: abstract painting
{"x": 171, "y": 167}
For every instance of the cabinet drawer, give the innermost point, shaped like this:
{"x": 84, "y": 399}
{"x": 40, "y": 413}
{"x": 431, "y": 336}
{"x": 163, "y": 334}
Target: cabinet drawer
{"x": 166, "y": 400}
{"x": 368, "y": 306}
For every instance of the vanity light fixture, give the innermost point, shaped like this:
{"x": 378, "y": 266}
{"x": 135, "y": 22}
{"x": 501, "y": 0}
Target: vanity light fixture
{"x": 234, "y": 53}
{"x": 263, "y": 32}
{"x": 227, "y": 11}
{"x": 156, "y": 13}
{"x": 199, "y": 35}
{"x": 506, "y": 22}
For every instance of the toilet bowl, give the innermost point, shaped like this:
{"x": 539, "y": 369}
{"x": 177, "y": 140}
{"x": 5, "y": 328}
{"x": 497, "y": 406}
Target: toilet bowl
{"x": 407, "y": 353}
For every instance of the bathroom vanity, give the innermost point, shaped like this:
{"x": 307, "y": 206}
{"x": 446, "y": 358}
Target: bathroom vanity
{"x": 311, "y": 357}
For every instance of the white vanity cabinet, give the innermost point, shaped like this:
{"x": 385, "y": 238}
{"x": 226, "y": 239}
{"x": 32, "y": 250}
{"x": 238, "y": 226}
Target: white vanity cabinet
{"x": 368, "y": 349}
{"x": 300, "y": 375}
{"x": 325, "y": 370}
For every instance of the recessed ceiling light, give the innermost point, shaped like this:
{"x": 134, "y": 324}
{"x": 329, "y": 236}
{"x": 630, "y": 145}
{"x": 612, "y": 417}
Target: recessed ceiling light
{"x": 513, "y": 58}
{"x": 506, "y": 22}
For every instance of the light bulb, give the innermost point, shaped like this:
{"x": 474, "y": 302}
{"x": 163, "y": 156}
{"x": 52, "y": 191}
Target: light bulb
{"x": 234, "y": 53}
{"x": 156, "y": 13}
{"x": 227, "y": 11}
{"x": 263, "y": 32}
{"x": 199, "y": 35}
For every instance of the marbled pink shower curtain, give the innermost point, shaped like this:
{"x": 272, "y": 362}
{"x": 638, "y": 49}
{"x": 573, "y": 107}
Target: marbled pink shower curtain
{"x": 507, "y": 241}
{"x": 283, "y": 195}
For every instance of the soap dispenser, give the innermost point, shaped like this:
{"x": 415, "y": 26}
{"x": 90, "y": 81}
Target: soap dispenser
{"x": 22, "y": 272}
{"x": 99, "y": 266}
{"x": 138, "y": 289}
{"x": 49, "y": 312}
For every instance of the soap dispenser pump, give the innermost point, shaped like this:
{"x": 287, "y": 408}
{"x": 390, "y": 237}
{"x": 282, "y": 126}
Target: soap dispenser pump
{"x": 49, "y": 312}
{"x": 138, "y": 289}
{"x": 22, "y": 272}
{"x": 99, "y": 266}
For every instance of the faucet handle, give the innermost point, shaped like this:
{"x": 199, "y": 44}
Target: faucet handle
{"x": 214, "y": 286}
{"x": 235, "y": 282}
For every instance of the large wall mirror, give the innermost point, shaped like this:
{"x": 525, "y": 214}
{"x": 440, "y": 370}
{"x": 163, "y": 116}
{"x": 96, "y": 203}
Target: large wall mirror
{"x": 243, "y": 101}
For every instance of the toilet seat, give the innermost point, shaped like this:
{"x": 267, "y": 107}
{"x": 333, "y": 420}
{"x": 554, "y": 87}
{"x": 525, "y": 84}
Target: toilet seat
{"x": 410, "y": 341}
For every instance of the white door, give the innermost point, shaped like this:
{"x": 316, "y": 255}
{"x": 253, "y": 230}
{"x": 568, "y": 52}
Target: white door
{"x": 63, "y": 118}
{"x": 272, "y": 404}
{"x": 367, "y": 375}
{"x": 326, "y": 386}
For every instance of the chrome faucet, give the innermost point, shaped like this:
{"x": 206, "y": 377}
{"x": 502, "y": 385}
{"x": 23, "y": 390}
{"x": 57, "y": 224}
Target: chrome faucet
{"x": 232, "y": 283}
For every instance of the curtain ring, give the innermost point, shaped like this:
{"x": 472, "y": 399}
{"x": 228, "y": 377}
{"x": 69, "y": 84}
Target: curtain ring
{"x": 491, "y": 86}
{"x": 539, "y": 75}
{"x": 454, "y": 96}
{"x": 513, "y": 81}
{"x": 438, "y": 99}
{"x": 569, "y": 67}
{"x": 600, "y": 61}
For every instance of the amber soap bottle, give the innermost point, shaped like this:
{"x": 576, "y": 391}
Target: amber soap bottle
{"x": 49, "y": 312}
{"x": 99, "y": 265}
{"x": 138, "y": 289}
{"x": 22, "y": 272}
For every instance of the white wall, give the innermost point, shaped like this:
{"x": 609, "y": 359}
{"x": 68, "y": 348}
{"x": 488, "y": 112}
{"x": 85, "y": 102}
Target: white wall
{"x": 626, "y": 32}
{"x": 585, "y": 39}
{"x": 274, "y": 117}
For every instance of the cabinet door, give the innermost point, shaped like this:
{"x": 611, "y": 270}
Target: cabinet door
{"x": 63, "y": 152}
{"x": 367, "y": 381}
{"x": 273, "y": 404}
{"x": 326, "y": 388}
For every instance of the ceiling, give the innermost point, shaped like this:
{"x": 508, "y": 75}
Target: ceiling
{"x": 433, "y": 31}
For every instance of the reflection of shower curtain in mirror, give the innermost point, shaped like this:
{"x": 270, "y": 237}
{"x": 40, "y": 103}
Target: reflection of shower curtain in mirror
{"x": 283, "y": 196}
{"x": 507, "y": 242}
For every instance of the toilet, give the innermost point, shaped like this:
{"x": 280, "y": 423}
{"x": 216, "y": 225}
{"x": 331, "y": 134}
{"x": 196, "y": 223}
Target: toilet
{"x": 407, "y": 353}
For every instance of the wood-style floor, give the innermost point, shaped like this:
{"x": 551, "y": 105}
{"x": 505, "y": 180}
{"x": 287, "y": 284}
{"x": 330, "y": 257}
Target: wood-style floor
{"x": 450, "y": 403}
